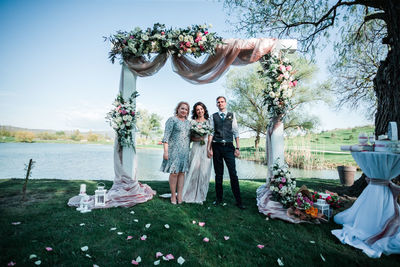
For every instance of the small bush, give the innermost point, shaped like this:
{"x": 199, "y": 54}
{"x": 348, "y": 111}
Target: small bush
{"x": 26, "y": 137}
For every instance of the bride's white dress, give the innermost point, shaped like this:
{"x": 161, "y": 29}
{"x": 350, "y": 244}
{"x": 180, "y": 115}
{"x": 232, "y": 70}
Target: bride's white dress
{"x": 195, "y": 188}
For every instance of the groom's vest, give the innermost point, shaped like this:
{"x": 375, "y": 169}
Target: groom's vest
{"x": 223, "y": 128}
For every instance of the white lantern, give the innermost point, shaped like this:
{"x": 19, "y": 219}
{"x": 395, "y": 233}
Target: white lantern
{"x": 100, "y": 195}
{"x": 323, "y": 208}
{"x": 84, "y": 204}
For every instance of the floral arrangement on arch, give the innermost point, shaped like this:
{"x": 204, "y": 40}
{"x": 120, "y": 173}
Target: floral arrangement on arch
{"x": 195, "y": 40}
{"x": 122, "y": 118}
{"x": 200, "y": 129}
{"x": 282, "y": 184}
{"x": 278, "y": 73}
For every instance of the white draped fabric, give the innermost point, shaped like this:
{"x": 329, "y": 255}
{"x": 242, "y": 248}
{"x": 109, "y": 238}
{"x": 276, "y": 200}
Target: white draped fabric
{"x": 372, "y": 223}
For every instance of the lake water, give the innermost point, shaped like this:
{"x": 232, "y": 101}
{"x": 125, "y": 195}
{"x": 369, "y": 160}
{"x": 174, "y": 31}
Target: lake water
{"x": 94, "y": 162}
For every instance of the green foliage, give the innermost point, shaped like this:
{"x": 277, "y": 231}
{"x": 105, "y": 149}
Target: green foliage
{"x": 47, "y": 136}
{"x": 76, "y": 136}
{"x": 246, "y": 229}
{"x": 91, "y": 137}
{"x": 149, "y": 125}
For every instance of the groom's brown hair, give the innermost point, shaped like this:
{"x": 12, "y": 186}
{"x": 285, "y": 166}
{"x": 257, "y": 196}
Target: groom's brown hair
{"x": 220, "y": 97}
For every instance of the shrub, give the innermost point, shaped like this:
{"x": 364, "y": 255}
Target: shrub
{"x": 92, "y": 137}
{"x": 26, "y": 137}
{"x": 47, "y": 136}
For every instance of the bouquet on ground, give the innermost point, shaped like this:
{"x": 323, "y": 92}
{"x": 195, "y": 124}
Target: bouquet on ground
{"x": 122, "y": 118}
{"x": 200, "y": 130}
{"x": 303, "y": 206}
{"x": 282, "y": 185}
{"x": 333, "y": 199}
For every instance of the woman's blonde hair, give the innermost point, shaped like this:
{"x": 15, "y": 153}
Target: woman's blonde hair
{"x": 179, "y": 105}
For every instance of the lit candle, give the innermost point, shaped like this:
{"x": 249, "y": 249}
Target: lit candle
{"x": 83, "y": 189}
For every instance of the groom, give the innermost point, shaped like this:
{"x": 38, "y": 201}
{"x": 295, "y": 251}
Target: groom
{"x": 220, "y": 147}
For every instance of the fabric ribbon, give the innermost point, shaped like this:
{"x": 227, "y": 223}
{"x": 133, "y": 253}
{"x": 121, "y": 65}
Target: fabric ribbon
{"x": 393, "y": 223}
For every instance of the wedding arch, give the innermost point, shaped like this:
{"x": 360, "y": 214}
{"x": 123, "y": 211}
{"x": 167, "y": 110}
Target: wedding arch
{"x": 134, "y": 50}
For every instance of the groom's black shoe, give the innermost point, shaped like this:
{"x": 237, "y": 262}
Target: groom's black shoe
{"x": 240, "y": 206}
{"x": 217, "y": 202}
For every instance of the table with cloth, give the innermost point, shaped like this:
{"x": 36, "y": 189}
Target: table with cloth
{"x": 372, "y": 223}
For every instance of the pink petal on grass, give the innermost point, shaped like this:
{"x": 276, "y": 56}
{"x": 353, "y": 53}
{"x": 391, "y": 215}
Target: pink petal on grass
{"x": 202, "y": 224}
{"x": 143, "y": 237}
{"x": 135, "y": 262}
{"x": 15, "y": 223}
{"x": 129, "y": 237}
{"x": 226, "y": 237}
{"x": 11, "y": 263}
{"x": 158, "y": 254}
{"x": 169, "y": 257}
{"x": 260, "y": 246}
{"x": 49, "y": 249}
{"x": 205, "y": 239}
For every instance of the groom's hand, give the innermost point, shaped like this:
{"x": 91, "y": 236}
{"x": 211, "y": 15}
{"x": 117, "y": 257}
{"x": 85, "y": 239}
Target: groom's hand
{"x": 209, "y": 153}
{"x": 237, "y": 153}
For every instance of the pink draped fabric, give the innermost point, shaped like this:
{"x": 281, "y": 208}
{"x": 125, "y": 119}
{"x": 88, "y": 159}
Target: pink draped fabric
{"x": 232, "y": 52}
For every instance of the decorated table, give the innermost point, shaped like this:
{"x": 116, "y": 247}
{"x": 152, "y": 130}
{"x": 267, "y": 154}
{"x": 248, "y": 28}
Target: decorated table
{"x": 372, "y": 223}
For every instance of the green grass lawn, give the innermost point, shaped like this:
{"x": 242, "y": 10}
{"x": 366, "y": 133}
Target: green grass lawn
{"x": 47, "y": 221}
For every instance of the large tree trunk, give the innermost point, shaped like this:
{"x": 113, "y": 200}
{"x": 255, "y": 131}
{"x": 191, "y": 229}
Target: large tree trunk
{"x": 387, "y": 81}
{"x": 257, "y": 141}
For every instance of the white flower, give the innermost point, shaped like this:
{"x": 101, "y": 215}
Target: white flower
{"x": 204, "y": 38}
{"x": 180, "y": 38}
{"x": 200, "y": 42}
{"x": 186, "y": 39}
{"x": 144, "y": 37}
{"x": 271, "y": 94}
{"x": 125, "y": 117}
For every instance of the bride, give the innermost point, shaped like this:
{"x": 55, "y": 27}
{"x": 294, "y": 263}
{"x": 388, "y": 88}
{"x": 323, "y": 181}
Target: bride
{"x": 195, "y": 188}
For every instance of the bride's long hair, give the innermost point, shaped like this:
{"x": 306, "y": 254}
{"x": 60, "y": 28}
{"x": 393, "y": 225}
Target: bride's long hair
{"x": 194, "y": 114}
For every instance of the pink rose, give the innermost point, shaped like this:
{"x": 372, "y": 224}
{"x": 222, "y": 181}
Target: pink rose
{"x": 133, "y": 113}
{"x": 124, "y": 112}
{"x": 188, "y": 44}
{"x": 280, "y": 186}
{"x": 294, "y": 83}
{"x": 282, "y": 68}
{"x": 283, "y": 180}
{"x": 289, "y": 68}
{"x": 162, "y": 33}
{"x": 206, "y": 32}
{"x": 201, "y": 48}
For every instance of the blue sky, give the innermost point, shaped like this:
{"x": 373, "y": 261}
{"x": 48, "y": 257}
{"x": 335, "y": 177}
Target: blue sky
{"x": 55, "y": 72}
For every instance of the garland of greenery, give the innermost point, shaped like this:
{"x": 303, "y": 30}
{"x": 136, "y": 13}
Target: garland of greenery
{"x": 278, "y": 73}
{"x": 122, "y": 118}
{"x": 195, "y": 40}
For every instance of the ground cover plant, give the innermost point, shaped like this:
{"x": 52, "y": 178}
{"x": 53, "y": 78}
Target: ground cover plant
{"x": 236, "y": 237}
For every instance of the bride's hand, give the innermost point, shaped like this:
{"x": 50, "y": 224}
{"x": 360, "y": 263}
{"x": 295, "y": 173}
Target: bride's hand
{"x": 165, "y": 155}
{"x": 209, "y": 153}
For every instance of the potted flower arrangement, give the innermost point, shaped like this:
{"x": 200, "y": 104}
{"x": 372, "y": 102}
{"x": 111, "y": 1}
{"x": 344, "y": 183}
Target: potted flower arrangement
{"x": 282, "y": 184}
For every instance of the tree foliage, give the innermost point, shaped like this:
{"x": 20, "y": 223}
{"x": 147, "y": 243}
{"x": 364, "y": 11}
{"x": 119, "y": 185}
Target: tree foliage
{"x": 148, "y": 124}
{"x": 245, "y": 89}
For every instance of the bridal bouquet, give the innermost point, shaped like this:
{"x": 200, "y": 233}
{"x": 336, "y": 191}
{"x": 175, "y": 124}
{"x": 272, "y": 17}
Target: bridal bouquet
{"x": 282, "y": 184}
{"x": 122, "y": 119}
{"x": 279, "y": 75}
{"x": 200, "y": 129}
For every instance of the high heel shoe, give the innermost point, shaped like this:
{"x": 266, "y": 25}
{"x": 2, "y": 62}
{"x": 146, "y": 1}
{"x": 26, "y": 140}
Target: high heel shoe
{"x": 173, "y": 202}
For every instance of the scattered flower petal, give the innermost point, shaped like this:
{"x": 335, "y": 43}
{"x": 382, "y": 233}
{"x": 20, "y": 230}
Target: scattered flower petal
{"x": 87, "y": 255}
{"x": 11, "y": 263}
{"x": 209, "y": 208}
{"x": 322, "y": 257}
{"x": 95, "y": 265}
{"x": 32, "y": 256}
{"x": 129, "y": 237}
{"x": 15, "y": 223}
{"x": 181, "y": 260}
{"x": 170, "y": 257}
{"x": 312, "y": 242}
{"x": 205, "y": 239}
{"x": 194, "y": 222}
{"x": 157, "y": 262}
{"x": 132, "y": 212}
{"x": 166, "y": 226}
{"x": 85, "y": 248}
{"x": 260, "y": 246}
{"x": 120, "y": 233}
{"x": 224, "y": 204}
{"x": 113, "y": 228}
{"x": 280, "y": 262}
{"x": 164, "y": 258}
{"x": 138, "y": 259}
{"x": 136, "y": 220}
{"x": 226, "y": 237}
{"x": 135, "y": 262}
{"x": 202, "y": 224}
{"x": 38, "y": 262}
{"x": 82, "y": 224}
{"x": 267, "y": 219}
{"x": 143, "y": 237}
{"x": 158, "y": 254}
{"x": 148, "y": 225}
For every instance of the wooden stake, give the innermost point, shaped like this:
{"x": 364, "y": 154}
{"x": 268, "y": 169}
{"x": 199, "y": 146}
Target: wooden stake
{"x": 28, "y": 173}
